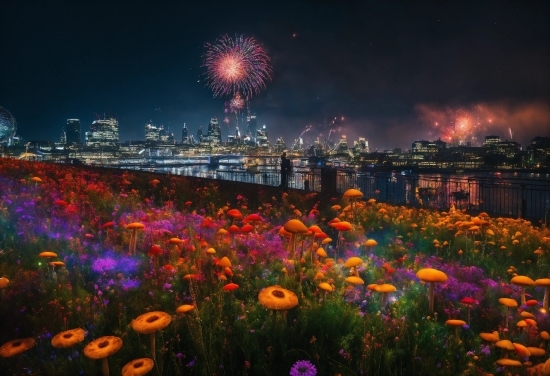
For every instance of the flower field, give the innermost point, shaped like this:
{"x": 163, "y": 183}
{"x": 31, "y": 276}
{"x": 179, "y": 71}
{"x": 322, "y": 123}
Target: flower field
{"x": 109, "y": 271}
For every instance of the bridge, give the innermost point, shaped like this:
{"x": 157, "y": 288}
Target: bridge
{"x": 181, "y": 161}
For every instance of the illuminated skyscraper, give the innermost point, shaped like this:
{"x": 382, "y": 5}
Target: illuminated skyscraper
{"x": 72, "y": 132}
{"x": 261, "y": 136}
{"x": 152, "y": 133}
{"x": 252, "y": 126}
{"x": 166, "y": 137}
{"x": 103, "y": 134}
{"x": 199, "y": 134}
{"x": 184, "y": 134}
{"x": 363, "y": 145}
{"x": 214, "y": 134}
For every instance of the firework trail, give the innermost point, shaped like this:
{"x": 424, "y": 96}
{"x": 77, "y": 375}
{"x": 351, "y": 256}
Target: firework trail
{"x": 236, "y": 65}
{"x": 511, "y": 134}
{"x": 306, "y": 129}
{"x": 234, "y": 106}
{"x": 335, "y": 125}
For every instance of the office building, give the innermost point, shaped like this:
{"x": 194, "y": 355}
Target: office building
{"x": 214, "y": 134}
{"x": 252, "y": 126}
{"x": 261, "y": 136}
{"x": 199, "y": 134}
{"x": 185, "y": 134}
{"x": 152, "y": 133}
{"x": 103, "y": 134}
{"x": 72, "y": 132}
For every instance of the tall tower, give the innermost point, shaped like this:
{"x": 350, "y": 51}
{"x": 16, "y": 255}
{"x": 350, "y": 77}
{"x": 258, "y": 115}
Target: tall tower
{"x": 199, "y": 134}
{"x": 184, "y": 134}
{"x": 261, "y": 136}
{"x": 72, "y": 132}
{"x": 214, "y": 132}
{"x": 252, "y": 126}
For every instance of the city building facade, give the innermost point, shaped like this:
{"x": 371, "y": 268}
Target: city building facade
{"x": 73, "y": 132}
{"x": 252, "y": 126}
{"x": 103, "y": 134}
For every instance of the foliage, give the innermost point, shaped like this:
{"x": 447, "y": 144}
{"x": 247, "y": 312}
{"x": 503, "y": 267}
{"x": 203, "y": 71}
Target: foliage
{"x": 81, "y": 214}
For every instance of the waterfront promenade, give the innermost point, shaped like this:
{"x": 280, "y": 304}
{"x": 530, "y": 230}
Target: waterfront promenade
{"x": 509, "y": 194}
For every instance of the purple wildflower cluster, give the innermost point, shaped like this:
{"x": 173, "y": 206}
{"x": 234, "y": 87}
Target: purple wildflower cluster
{"x": 111, "y": 261}
{"x": 303, "y": 368}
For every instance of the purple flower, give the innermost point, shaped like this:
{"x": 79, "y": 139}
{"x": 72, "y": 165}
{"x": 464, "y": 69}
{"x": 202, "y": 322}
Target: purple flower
{"x": 101, "y": 265}
{"x": 303, "y": 368}
{"x": 130, "y": 284}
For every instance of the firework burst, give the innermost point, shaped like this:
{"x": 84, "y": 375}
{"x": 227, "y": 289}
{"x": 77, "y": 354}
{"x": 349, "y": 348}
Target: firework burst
{"x": 457, "y": 125}
{"x": 236, "y": 104}
{"x": 236, "y": 66}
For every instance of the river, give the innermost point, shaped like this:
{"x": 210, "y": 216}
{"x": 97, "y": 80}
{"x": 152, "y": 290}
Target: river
{"x": 516, "y": 194}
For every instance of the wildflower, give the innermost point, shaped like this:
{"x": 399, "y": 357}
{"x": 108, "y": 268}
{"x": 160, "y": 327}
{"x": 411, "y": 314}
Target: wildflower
{"x": 303, "y": 368}
{"x": 130, "y": 284}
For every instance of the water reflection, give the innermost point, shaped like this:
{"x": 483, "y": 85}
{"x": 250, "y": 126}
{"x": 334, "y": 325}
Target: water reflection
{"x": 525, "y": 195}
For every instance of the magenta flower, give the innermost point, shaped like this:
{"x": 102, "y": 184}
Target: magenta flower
{"x": 303, "y": 368}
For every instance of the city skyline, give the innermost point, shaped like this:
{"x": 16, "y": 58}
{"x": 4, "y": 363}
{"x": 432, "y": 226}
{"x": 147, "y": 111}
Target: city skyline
{"x": 391, "y": 72}
{"x": 171, "y": 135}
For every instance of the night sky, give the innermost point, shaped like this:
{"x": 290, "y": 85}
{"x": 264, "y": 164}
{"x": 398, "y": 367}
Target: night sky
{"x": 395, "y": 71}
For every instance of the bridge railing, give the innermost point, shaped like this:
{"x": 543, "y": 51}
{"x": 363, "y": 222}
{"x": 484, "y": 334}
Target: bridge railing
{"x": 508, "y": 197}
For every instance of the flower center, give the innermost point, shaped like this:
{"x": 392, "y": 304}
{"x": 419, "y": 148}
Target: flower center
{"x": 152, "y": 318}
